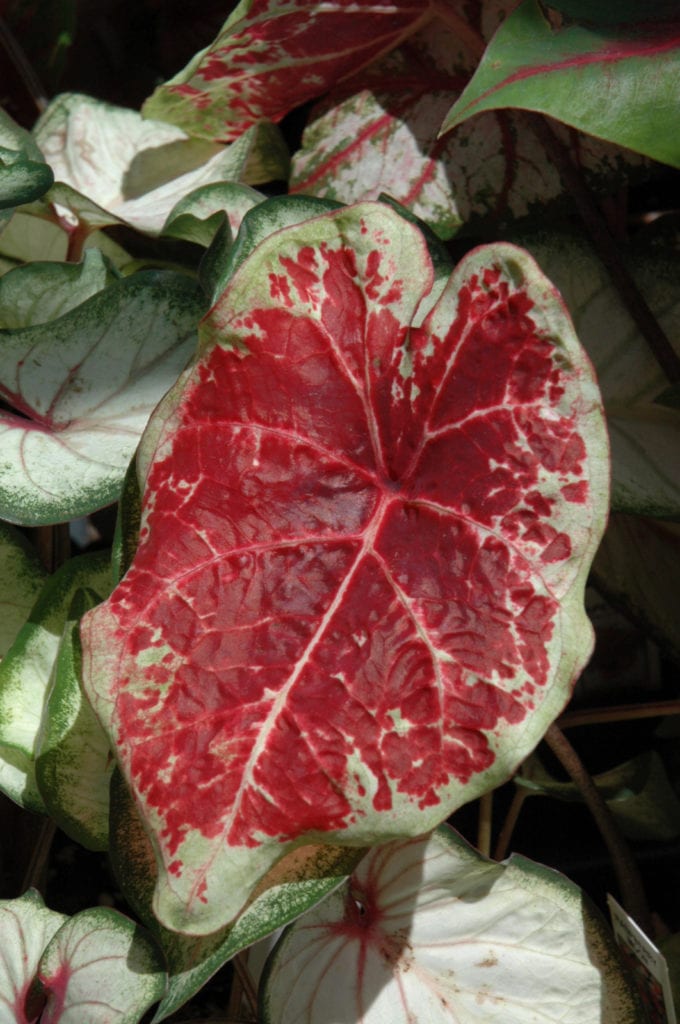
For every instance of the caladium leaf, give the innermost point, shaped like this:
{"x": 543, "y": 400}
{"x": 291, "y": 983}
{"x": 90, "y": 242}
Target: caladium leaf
{"x": 26, "y": 927}
{"x": 377, "y": 132}
{"x": 613, "y": 84}
{"x": 22, "y": 577}
{"x": 637, "y": 567}
{"x": 114, "y": 166}
{"x": 357, "y": 598}
{"x": 26, "y": 671}
{"x": 42, "y": 291}
{"x": 73, "y": 764}
{"x": 24, "y": 175}
{"x": 196, "y": 217}
{"x": 102, "y": 968}
{"x": 83, "y": 387}
{"x": 429, "y": 930}
{"x": 273, "y": 55}
{"x": 298, "y": 882}
{"x": 29, "y": 237}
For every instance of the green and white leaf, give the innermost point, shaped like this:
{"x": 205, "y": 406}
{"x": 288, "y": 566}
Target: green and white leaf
{"x": 428, "y": 930}
{"x": 26, "y": 672}
{"x": 113, "y": 166}
{"x": 197, "y": 217}
{"x": 102, "y": 968}
{"x": 26, "y": 927}
{"x": 45, "y": 290}
{"x": 86, "y": 385}
{"x": 28, "y": 237}
{"x": 22, "y": 578}
{"x": 298, "y": 882}
{"x": 74, "y": 765}
{"x": 24, "y": 175}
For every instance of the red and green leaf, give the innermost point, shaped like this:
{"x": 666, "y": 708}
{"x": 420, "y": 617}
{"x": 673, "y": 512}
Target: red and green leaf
{"x": 367, "y": 522}
{"x": 273, "y": 55}
{"x": 617, "y": 81}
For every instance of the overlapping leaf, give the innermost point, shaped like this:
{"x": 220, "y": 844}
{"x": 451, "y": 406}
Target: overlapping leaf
{"x": 357, "y": 598}
{"x": 618, "y": 82}
{"x": 83, "y": 387}
{"x": 26, "y": 926}
{"x": 112, "y": 165}
{"x": 378, "y": 133}
{"x": 273, "y": 55}
{"x": 24, "y": 175}
{"x": 22, "y": 577}
{"x": 428, "y": 930}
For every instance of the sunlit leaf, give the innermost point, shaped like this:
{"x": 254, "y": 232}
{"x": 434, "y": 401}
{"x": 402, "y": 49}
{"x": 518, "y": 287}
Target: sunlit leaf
{"x": 428, "y": 930}
{"x": 83, "y": 387}
{"x": 26, "y": 926}
{"x": 113, "y": 166}
{"x": 618, "y": 83}
{"x": 23, "y": 577}
{"x": 26, "y": 671}
{"x": 357, "y": 599}
{"x": 273, "y": 55}
{"x": 102, "y": 968}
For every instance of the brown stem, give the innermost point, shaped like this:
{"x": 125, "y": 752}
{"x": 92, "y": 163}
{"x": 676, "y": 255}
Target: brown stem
{"x": 606, "y": 248}
{"x": 505, "y": 835}
{"x": 622, "y": 713}
{"x": 35, "y": 876}
{"x": 484, "y": 824}
{"x": 53, "y": 544}
{"x": 243, "y": 984}
{"x": 627, "y": 874}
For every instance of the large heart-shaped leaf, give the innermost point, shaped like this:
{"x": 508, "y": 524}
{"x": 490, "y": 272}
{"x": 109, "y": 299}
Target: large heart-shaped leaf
{"x": 273, "y": 55}
{"x": 428, "y": 930}
{"x": 83, "y": 387}
{"x": 615, "y": 82}
{"x": 357, "y": 600}
{"x": 112, "y": 165}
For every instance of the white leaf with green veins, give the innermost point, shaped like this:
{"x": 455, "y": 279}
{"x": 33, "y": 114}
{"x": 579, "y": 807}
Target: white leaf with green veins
{"x": 100, "y": 968}
{"x": 26, "y": 927}
{"x": 21, "y": 580}
{"x": 132, "y": 170}
{"x": 26, "y": 671}
{"x": 428, "y": 930}
{"x": 84, "y": 387}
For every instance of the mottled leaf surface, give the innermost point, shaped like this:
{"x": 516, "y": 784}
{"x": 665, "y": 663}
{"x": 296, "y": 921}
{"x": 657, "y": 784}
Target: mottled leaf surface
{"x": 112, "y": 165}
{"x": 617, "y": 83}
{"x": 26, "y": 927}
{"x": 26, "y": 672}
{"x": 428, "y": 930}
{"x": 22, "y": 577}
{"x": 377, "y": 132}
{"x": 44, "y": 290}
{"x": 102, "y": 968}
{"x": 24, "y": 175}
{"x": 357, "y": 598}
{"x": 273, "y": 55}
{"x": 197, "y": 216}
{"x": 83, "y": 387}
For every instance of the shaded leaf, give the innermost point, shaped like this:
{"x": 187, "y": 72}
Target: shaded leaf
{"x": 273, "y": 55}
{"x": 83, "y": 387}
{"x": 26, "y": 671}
{"x": 616, "y": 85}
{"x": 23, "y": 577}
{"x": 357, "y": 600}
{"x": 637, "y": 567}
{"x": 197, "y": 216}
{"x": 26, "y": 927}
{"x": 102, "y": 968}
{"x": 24, "y": 175}
{"x": 42, "y": 291}
{"x": 114, "y": 166}
{"x": 377, "y": 132}
{"x": 429, "y": 930}
{"x": 73, "y": 764}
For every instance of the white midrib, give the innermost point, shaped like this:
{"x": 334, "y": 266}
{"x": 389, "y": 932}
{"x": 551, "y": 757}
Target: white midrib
{"x": 282, "y": 697}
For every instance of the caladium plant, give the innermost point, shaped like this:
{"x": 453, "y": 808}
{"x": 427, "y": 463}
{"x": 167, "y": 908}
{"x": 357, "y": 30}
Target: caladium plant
{"x": 362, "y": 466}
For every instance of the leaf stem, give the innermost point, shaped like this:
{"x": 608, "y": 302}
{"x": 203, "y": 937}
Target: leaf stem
{"x": 35, "y": 872}
{"x": 484, "y": 824}
{"x": 511, "y": 818}
{"x": 606, "y": 248}
{"x": 627, "y": 873}
{"x": 24, "y": 68}
{"x": 622, "y": 713}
